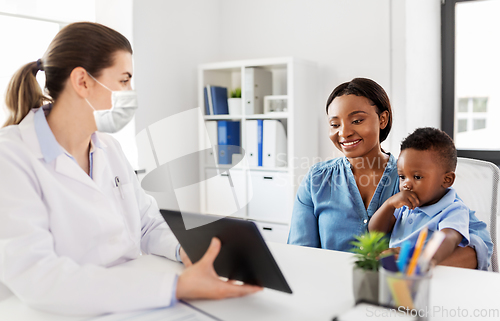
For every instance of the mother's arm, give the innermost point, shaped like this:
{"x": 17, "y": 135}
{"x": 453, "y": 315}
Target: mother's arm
{"x": 478, "y": 253}
{"x": 304, "y": 225}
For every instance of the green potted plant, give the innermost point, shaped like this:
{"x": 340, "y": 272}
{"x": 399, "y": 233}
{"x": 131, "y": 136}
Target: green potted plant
{"x": 234, "y": 102}
{"x": 368, "y": 248}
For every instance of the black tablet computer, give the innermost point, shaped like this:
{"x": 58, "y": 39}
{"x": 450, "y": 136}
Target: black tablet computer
{"x": 244, "y": 255}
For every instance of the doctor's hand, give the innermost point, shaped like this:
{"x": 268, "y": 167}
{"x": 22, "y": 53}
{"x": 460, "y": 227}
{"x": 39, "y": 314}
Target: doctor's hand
{"x": 199, "y": 281}
{"x": 185, "y": 258}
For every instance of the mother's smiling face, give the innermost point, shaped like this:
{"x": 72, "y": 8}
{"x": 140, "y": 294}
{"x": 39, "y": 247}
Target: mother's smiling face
{"x": 355, "y": 125}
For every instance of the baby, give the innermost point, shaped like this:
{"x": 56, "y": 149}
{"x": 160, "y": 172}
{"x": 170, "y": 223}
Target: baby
{"x": 426, "y": 169}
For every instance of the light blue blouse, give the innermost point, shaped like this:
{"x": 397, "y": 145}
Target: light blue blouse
{"x": 329, "y": 211}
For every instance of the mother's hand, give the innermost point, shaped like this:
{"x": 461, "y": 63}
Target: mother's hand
{"x": 199, "y": 280}
{"x": 463, "y": 257}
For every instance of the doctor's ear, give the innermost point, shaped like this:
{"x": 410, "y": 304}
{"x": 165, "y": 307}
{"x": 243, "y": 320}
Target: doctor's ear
{"x": 80, "y": 81}
{"x": 449, "y": 179}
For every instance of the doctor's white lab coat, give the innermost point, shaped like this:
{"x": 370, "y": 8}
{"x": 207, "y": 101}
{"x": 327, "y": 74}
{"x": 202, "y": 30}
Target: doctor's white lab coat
{"x": 64, "y": 235}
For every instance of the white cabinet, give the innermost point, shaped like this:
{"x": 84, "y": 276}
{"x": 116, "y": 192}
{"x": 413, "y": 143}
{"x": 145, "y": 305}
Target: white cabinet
{"x": 271, "y": 196}
{"x": 277, "y": 233}
{"x": 224, "y": 193}
{"x": 260, "y": 193}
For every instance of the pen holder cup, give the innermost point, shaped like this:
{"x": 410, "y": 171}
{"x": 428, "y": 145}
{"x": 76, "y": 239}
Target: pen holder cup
{"x": 408, "y": 294}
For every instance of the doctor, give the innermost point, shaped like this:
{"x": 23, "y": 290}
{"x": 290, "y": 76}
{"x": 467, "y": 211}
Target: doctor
{"x": 71, "y": 209}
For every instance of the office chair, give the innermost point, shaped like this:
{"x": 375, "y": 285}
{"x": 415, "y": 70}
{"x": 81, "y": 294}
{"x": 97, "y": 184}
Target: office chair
{"x": 477, "y": 184}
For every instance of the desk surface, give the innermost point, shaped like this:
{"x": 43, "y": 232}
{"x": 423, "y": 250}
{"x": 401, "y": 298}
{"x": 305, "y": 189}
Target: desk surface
{"x": 321, "y": 284}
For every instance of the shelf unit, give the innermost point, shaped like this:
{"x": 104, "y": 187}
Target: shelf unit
{"x": 275, "y": 115}
{"x": 262, "y": 194}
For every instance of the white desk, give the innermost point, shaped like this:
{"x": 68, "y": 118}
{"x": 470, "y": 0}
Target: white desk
{"x": 321, "y": 282}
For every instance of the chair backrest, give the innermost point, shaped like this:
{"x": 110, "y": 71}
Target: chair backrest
{"x": 477, "y": 184}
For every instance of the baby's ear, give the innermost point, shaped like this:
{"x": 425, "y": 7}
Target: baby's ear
{"x": 449, "y": 179}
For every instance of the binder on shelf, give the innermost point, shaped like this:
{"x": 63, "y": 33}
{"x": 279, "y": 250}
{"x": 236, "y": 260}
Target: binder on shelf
{"x": 258, "y": 83}
{"x": 274, "y": 147}
{"x": 219, "y": 100}
{"x": 215, "y": 100}
{"x": 207, "y": 93}
{"x": 252, "y": 146}
{"x": 211, "y": 153}
{"x": 228, "y": 133}
{"x": 205, "y": 96}
{"x": 260, "y": 127}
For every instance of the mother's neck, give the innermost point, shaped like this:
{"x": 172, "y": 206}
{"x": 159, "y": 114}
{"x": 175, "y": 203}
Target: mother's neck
{"x": 374, "y": 161}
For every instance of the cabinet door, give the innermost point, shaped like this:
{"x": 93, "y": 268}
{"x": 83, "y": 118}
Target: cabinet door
{"x": 273, "y": 232}
{"x": 271, "y": 197}
{"x": 224, "y": 198}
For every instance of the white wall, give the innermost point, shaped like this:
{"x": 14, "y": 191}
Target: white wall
{"x": 116, "y": 14}
{"x": 394, "y": 42}
{"x": 55, "y": 10}
{"x": 423, "y": 64}
{"x": 171, "y": 39}
{"x": 397, "y": 89}
{"x": 416, "y": 67}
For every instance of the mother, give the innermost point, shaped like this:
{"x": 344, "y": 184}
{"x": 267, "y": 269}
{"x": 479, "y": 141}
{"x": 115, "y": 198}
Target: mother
{"x": 337, "y": 198}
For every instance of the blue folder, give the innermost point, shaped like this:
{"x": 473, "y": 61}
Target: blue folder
{"x": 260, "y": 128}
{"x": 228, "y": 136}
{"x": 219, "y": 100}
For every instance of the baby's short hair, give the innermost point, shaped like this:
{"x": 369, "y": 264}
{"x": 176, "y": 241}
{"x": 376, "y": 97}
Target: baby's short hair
{"x": 434, "y": 139}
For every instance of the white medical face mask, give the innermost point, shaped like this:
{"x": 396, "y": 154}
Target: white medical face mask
{"x": 123, "y": 106}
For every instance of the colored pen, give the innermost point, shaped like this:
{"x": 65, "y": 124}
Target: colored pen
{"x": 418, "y": 249}
{"x": 404, "y": 253}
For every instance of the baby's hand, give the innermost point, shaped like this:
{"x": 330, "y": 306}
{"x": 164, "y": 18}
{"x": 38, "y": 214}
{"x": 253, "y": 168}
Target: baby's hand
{"x": 403, "y": 198}
{"x": 392, "y": 250}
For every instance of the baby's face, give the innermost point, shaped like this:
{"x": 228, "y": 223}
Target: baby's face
{"x": 422, "y": 173}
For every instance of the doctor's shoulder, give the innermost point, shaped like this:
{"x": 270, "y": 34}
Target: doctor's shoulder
{"x": 12, "y": 145}
{"x": 110, "y": 143}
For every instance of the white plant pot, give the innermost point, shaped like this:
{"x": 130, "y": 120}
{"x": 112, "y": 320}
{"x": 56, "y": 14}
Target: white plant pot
{"x": 234, "y": 106}
{"x": 365, "y": 284}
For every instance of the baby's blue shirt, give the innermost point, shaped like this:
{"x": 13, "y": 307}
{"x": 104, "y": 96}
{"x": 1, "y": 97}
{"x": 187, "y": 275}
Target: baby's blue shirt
{"x": 448, "y": 212}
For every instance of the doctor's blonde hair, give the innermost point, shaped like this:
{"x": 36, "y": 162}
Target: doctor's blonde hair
{"x": 82, "y": 44}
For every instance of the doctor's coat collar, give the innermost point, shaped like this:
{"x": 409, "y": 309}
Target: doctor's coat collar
{"x": 49, "y": 147}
